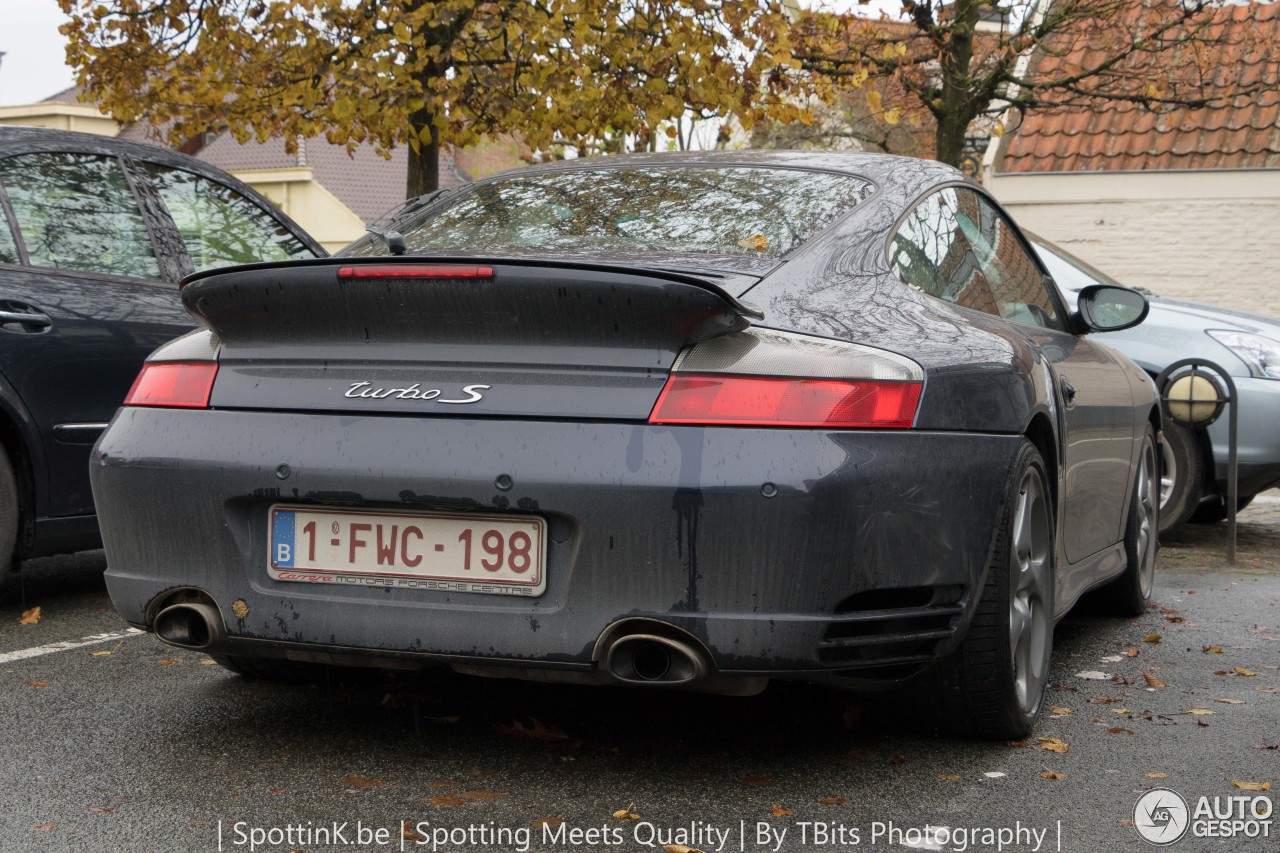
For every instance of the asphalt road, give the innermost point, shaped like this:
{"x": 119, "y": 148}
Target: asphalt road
{"x": 124, "y": 744}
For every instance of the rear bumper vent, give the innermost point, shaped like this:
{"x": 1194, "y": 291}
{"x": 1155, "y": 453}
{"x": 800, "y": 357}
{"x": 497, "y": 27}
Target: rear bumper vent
{"x": 889, "y": 627}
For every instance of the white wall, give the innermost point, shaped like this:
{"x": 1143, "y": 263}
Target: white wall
{"x": 1209, "y": 236}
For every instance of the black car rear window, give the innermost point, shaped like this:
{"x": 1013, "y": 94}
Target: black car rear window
{"x": 759, "y": 212}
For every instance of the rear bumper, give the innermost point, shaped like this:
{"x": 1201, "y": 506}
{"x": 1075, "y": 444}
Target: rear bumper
{"x": 867, "y": 554}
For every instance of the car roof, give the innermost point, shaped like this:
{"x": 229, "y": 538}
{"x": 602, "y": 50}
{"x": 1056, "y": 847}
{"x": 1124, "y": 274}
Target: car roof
{"x": 879, "y": 168}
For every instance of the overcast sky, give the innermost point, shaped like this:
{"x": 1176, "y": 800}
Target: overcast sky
{"x": 34, "y": 64}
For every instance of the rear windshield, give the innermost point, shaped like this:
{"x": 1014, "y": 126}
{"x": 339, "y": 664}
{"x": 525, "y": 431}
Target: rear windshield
{"x": 756, "y": 212}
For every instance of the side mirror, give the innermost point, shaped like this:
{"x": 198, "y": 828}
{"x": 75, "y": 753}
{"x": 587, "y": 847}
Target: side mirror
{"x": 1108, "y": 308}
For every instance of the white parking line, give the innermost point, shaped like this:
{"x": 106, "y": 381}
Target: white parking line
{"x": 91, "y": 640}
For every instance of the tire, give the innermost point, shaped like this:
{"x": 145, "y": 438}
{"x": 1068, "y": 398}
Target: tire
{"x": 1129, "y": 594}
{"x": 994, "y": 683}
{"x": 10, "y": 517}
{"x": 1181, "y": 475}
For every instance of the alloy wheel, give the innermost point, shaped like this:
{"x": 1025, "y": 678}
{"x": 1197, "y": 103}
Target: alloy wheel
{"x": 1030, "y": 622}
{"x": 1150, "y": 489}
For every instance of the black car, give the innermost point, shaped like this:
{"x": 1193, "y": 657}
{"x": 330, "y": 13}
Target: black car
{"x": 95, "y": 234}
{"x": 658, "y": 421}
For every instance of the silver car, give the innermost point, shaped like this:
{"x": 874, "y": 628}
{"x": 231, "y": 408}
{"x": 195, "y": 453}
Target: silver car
{"x": 1247, "y": 346}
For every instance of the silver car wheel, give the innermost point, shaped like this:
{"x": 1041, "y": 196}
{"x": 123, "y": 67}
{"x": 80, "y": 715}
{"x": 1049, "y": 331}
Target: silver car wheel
{"x": 1168, "y": 473}
{"x": 1146, "y": 496}
{"x": 1030, "y": 623}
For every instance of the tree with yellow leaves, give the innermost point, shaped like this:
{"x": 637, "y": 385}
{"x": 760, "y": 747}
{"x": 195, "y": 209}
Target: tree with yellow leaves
{"x": 424, "y": 73}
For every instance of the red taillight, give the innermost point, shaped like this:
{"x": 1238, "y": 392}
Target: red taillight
{"x": 768, "y": 401}
{"x": 184, "y": 385}
{"x": 414, "y": 271}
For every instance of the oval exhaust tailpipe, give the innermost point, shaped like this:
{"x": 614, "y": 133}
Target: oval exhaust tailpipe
{"x": 654, "y": 661}
{"x": 191, "y": 625}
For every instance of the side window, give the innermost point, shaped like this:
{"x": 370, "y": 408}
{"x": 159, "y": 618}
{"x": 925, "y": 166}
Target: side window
{"x": 77, "y": 212}
{"x": 1020, "y": 291}
{"x": 930, "y": 251}
{"x": 219, "y": 225}
{"x": 8, "y": 245}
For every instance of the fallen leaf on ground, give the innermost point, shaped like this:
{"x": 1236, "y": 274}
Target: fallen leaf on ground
{"x": 1267, "y": 689}
{"x": 779, "y": 811}
{"x": 407, "y": 833}
{"x": 1116, "y": 730}
{"x": 757, "y": 781}
{"x": 1133, "y": 653}
{"x": 1229, "y": 701}
{"x": 1102, "y": 700}
{"x": 1157, "y": 775}
{"x": 1247, "y": 673}
{"x": 44, "y": 827}
{"x": 1093, "y": 675}
{"x": 1058, "y": 709}
{"x": 1049, "y": 774}
{"x": 1152, "y": 681}
{"x": 100, "y": 652}
{"x": 446, "y": 800}
{"x": 626, "y": 814}
{"x": 30, "y": 617}
{"x": 1111, "y": 659}
{"x": 355, "y": 780}
{"x": 1211, "y": 650}
{"x": 994, "y": 775}
{"x": 1153, "y": 637}
{"x": 1252, "y": 786}
{"x": 1052, "y": 744}
{"x": 1017, "y": 744}
{"x": 1177, "y": 620}
{"x": 1121, "y": 680}
{"x": 549, "y": 822}
{"x": 837, "y": 801}
{"x": 106, "y": 810}
{"x": 170, "y": 661}
{"x": 1199, "y": 712}
{"x": 680, "y": 848}
{"x": 208, "y": 662}
{"x": 949, "y": 778}
{"x": 1267, "y": 746}
{"x": 536, "y": 730}
{"x": 1120, "y": 710}
{"x": 31, "y": 683}
{"x": 483, "y": 796}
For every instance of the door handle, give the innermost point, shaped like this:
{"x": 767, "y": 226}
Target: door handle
{"x": 1068, "y": 392}
{"x": 28, "y": 319}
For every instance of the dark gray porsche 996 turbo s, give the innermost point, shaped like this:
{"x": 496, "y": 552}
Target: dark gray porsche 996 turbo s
{"x": 664, "y": 421}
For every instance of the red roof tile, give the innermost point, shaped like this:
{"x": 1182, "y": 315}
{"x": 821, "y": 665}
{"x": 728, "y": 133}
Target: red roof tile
{"x": 1115, "y": 136}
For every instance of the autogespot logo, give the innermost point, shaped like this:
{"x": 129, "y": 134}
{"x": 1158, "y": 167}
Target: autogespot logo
{"x": 1161, "y": 816}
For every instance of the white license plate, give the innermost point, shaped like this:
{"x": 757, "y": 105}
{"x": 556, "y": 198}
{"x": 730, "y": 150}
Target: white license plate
{"x": 496, "y": 554}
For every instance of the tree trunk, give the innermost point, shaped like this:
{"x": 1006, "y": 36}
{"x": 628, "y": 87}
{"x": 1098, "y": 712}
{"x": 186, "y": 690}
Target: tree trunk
{"x": 424, "y": 164}
{"x": 948, "y": 146}
{"x": 955, "y": 108}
